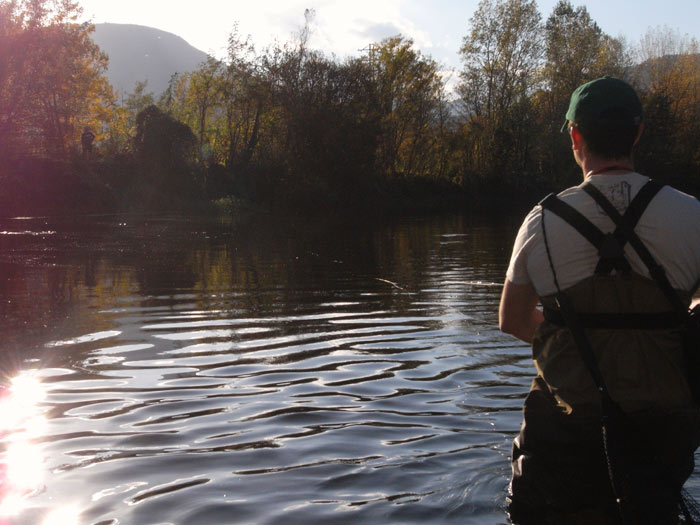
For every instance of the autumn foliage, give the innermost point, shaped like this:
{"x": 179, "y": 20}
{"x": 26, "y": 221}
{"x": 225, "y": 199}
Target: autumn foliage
{"x": 51, "y": 82}
{"x": 293, "y": 127}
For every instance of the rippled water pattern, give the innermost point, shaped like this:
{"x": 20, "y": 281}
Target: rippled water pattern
{"x": 216, "y": 373}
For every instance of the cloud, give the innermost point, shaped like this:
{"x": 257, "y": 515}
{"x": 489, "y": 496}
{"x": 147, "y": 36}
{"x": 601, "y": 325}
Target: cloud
{"x": 345, "y": 28}
{"x": 340, "y": 27}
{"x": 376, "y": 31}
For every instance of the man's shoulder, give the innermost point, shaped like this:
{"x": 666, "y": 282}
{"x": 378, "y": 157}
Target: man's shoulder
{"x": 670, "y": 192}
{"x": 671, "y": 198}
{"x": 573, "y": 195}
{"x": 624, "y": 189}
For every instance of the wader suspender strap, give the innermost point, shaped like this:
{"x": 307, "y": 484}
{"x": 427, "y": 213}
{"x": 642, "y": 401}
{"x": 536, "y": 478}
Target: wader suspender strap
{"x": 610, "y": 247}
{"x": 612, "y": 413}
{"x": 607, "y": 245}
{"x": 690, "y": 318}
{"x": 629, "y": 220}
{"x": 608, "y": 406}
{"x": 626, "y": 227}
{"x": 571, "y": 319}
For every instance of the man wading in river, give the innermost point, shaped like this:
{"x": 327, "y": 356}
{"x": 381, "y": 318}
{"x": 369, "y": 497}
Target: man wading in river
{"x": 608, "y": 337}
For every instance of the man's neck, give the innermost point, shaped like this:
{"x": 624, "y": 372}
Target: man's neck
{"x": 598, "y": 166}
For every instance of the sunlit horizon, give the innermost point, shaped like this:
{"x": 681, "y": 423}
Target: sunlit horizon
{"x": 344, "y": 29}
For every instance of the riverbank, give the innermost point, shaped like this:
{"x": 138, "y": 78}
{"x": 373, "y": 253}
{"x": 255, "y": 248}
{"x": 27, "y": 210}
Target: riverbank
{"x": 41, "y": 187}
{"x": 38, "y": 187}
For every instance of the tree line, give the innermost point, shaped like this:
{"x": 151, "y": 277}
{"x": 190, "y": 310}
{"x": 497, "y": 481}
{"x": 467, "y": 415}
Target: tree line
{"x": 290, "y": 125}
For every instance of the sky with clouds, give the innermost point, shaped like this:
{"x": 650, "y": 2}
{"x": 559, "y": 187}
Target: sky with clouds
{"x": 344, "y": 27}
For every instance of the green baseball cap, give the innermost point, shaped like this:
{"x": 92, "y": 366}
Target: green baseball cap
{"x": 605, "y": 98}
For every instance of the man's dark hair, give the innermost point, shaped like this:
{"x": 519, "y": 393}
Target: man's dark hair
{"x": 610, "y": 137}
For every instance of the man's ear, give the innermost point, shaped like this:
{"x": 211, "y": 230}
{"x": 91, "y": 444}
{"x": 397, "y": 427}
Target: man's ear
{"x": 640, "y": 129}
{"x": 576, "y": 138}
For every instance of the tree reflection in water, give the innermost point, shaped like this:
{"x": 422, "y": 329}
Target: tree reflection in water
{"x": 193, "y": 370}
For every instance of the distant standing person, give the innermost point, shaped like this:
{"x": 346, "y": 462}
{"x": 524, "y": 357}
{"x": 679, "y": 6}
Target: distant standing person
{"x": 604, "y": 310}
{"x": 86, "y": 139}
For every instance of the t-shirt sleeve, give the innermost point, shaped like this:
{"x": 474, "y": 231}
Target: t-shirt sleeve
{"x": 517, "y": 269}
{"x": 670, "y": 229}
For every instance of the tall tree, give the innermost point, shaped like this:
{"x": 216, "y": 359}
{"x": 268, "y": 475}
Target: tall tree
{"x": 669, "y": 77}
{"x": 409, "y": 94}
{"x": 500, "y": 55}
{"x": 576, "y": 51}
{"x": 120, "y": 119}
{"x": 572, "y": 45}
{"x": 203, "y": 93}
{"x": 51, "y": 76}
{"x": 245, "y": 97}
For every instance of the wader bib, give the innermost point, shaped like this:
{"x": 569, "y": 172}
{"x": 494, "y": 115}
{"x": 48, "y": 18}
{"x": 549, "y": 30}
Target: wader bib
{"x": 560, "y": 473}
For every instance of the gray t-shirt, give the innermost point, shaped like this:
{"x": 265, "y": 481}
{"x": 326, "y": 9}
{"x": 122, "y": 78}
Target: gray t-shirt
{"x": 670, "y": 229}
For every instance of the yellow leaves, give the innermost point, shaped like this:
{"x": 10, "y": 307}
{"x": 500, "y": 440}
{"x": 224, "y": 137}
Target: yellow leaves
{"x": 53, "y": 75}
{"x": 671, "y": 69}
{"x": 409, "y": 93}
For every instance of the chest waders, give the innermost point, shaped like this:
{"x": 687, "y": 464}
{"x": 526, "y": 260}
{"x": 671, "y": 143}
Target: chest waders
{"x": 635, "y": 476}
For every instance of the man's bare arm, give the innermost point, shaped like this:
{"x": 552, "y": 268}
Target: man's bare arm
{"x": 518, "y": 314}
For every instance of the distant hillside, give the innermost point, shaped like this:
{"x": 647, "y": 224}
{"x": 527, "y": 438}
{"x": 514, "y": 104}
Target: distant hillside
{"x": 138, "y": 53}
{"x": 642, "y": 73}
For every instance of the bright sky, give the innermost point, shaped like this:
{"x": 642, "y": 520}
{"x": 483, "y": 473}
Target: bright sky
{"x": 343, "y": 27}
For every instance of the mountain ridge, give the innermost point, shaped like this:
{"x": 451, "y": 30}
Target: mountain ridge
{"x": 140, "y": 53}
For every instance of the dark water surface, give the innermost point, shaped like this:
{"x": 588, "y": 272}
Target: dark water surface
{"x": 175, "y": 371}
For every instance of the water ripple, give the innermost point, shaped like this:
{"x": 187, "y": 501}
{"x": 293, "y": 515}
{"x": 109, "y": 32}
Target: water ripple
{"x": 358, "y": 393}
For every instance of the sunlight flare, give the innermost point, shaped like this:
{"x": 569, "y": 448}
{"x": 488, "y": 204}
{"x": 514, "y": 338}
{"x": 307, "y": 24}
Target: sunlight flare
{"x": 22, "y": 462}
{"x": 66, "y": 515}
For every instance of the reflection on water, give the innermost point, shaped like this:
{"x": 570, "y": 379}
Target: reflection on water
{"x": 22, "y": 460}
{"x": 180, "y": 371}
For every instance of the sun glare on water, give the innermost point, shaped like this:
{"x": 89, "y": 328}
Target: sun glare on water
{"x": 21, "y": 461}
{"x": 67, "y": 515}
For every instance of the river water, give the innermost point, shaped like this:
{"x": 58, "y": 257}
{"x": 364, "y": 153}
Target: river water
{"x": 180, "y": 371}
